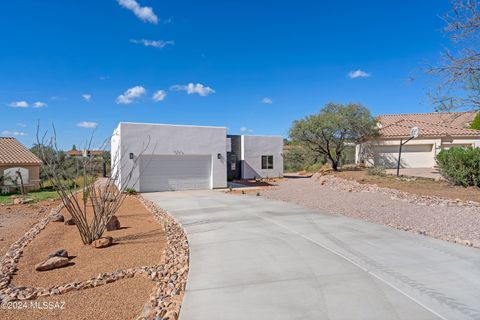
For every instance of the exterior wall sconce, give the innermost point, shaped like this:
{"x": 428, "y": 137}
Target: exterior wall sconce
{"x": 219, "y": 156}
{"x": 131, "y": 156}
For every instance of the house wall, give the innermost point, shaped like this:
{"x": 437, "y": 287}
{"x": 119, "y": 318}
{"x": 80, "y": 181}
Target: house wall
{"x": 159, "y": 139}
{"x": 417, "y": 153}
{"x": 116, "y": 157}
{"x": 252, "y": 149}
{"x": 33, "y": 174}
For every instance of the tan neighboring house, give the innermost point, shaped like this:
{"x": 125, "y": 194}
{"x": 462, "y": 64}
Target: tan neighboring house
{"x": 439, "y": 130}
{"x": 16, "y": 157}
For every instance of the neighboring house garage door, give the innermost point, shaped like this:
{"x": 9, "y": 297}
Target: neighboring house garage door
{"x": 413, "y": 156}
{"x": 174, "y": 172}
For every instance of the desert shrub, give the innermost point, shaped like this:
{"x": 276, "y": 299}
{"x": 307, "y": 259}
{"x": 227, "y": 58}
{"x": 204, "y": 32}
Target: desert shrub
{"x": 460, "y": 166}
{"x": 313, "y": 167}
{"x": 377, "y": 171}
{"x": 298, "y": 158}
{"x": 130, "y": 191}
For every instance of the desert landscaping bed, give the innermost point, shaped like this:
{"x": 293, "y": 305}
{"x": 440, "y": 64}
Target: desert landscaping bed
{"x": 440, "y": 217}
{"x": 146, "y": 267}
{"x": 15, "y": 220}
{"x": 415, "y": 185}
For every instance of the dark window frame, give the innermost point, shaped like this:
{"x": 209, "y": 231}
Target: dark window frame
{"x": 267, "y": 162}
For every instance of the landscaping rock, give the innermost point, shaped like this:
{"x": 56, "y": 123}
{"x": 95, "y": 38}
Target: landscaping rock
{"x": 69, "y": 222}
{"x": 59, "y": 253}
{"x": 103, "y": 242}
{"x": 20, "y": 200}
{"x": 57, "y": 218}
{"x": 52, "y": 263}
{"x": 113, "y": 224}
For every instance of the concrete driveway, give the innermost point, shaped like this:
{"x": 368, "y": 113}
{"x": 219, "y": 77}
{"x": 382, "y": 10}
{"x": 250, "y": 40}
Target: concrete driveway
{"x": 253, "y": 258}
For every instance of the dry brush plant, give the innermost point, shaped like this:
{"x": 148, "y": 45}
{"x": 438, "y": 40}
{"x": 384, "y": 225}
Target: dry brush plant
{"x": 80, "y": 189}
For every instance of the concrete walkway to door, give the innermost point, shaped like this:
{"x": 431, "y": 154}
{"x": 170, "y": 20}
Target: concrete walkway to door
{"x": 252, "y": 258}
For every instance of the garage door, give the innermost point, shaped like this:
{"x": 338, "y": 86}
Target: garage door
{"x": 413, "y": 156}
{"x": 174, "y": 172}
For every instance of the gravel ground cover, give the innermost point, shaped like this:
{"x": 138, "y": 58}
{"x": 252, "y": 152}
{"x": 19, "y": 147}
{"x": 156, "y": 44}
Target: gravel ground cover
{"x": 419, "y": 186}
{"x": 119, "y": 300}
{"x": 15, "y": 220}
{"x": 139, "y": 242}
{"x": 149, "y": 292}
{"x": 442, "y": 218}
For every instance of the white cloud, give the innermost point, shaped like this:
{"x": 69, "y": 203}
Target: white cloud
{"x": 130, "y": 95}
{"x": 13, "y": 133}
{"x": 193, "y": 88}
{"x": 267, "y": 100}
{"x": 21, "y": 125}
{"x": 145, "y": 14}
{"x": 104, "y": 77}
{"x": 245, "y": 129}
{"x": 87, "y": 124}
{"x": 19, "y": 104}
{"x": 358, "y": 74}
{"x": 153, "y": 43}
{"x": 87, "y": 97}
{"x": 159, "y": 95}
{"x": 39, "y": 104}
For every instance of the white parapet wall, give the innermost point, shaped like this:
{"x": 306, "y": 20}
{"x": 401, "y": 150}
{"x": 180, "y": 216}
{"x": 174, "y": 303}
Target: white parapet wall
{"x": 252, "y": 150}
{"x": 131, "y": 140}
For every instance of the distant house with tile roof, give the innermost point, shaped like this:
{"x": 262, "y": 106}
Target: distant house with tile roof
{"x": 437, "y": 131}
{"x": 15, "y": 157}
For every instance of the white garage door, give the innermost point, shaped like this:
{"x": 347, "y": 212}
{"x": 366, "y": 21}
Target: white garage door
{"x": 174, "y": 172}
{"x": 413, "y": 156}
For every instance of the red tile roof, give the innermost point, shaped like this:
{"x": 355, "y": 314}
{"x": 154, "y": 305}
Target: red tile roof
{"x": 13, "y": 152}
{"x": 437, "y": 124}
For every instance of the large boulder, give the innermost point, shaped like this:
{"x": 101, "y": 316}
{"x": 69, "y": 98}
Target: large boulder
{"x": 52, "y": 263}
{"x": 59, "y": 253}
{"x": 113, "y": 224}
{"x": 102, "y": 242}
{"x": 70, "y": 222}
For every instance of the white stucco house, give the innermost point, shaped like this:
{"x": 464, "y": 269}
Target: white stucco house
{"x": 162, "y": 157}
{"x": 438, "y": 130}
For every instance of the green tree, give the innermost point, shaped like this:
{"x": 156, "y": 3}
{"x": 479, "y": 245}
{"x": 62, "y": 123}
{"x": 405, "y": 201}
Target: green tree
{"x": 476, "y": 122}
{"x": 335, "y": 127}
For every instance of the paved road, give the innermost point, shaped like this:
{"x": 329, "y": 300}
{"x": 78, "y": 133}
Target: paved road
{"x": 253, "y": 258}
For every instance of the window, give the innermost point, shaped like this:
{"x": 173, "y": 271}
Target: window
{"x": 10, "y": 176}
{"x": 267, "y": 162}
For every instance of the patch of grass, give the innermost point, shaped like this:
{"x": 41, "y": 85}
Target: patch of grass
{"x": 130, "y": 191}
{"x": 35, "y": 195}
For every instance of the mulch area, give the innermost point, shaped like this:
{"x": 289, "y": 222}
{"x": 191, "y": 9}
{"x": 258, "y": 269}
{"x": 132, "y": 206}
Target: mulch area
{"x": 259, "y": 183}
{"x": 140, "y": 241}
{"x": 123, "y": 299}
{"x": 15, "y": 220}
{"x": 418, "y": 186}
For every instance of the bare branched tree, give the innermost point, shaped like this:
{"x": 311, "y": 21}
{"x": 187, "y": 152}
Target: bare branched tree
{"x": 83, "y": 189}
{"x": 460, "y": 66}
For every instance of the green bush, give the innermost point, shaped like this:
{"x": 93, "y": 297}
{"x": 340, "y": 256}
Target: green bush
{"x": 377, "y": 171}
{"x": 130, "y": 191}
{"x": 460, "y": 166}
{"x": 476, "y": 122}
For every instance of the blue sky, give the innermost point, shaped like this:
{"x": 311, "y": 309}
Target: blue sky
{"x": 253, "y": 66}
